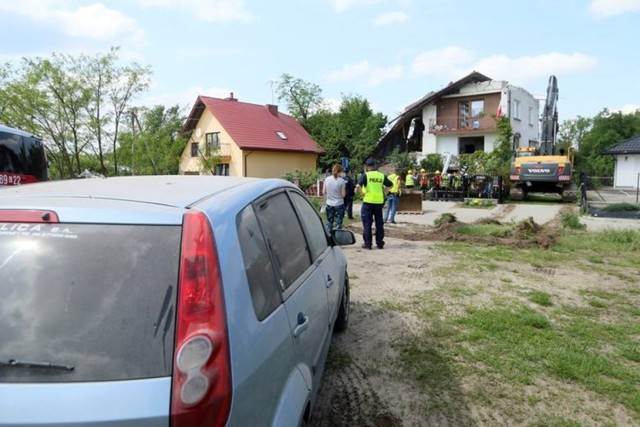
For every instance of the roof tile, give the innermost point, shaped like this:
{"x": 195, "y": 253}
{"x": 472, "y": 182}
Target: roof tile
{"x": 254, "y": 126}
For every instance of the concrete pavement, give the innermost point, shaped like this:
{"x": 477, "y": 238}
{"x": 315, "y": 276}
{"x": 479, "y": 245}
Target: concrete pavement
{"x": 541, "y": 214}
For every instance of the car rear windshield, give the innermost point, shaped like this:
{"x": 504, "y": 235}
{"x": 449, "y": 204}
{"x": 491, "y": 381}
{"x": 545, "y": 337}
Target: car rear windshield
{"x": 98, "y": 298}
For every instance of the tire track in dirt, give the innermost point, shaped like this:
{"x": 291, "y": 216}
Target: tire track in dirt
{"x": 348, "y": 398}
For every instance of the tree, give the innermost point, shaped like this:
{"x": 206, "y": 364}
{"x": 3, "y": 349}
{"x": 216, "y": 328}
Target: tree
{"x": 360, "y": 128}
{"x": 76, "y": 103}
{"x": 607, "y": 129}
{"x": 302, "y": 98}
{"x": 353, "y": 131}
{"x": 150, "y": 143}
{"x": 432, "y": 162}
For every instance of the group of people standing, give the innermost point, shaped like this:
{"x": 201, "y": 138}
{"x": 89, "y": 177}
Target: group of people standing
{"x": 375, "y": 187}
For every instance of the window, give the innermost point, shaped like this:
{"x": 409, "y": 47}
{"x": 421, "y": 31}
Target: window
{"x": 464, "y": 114}
{"x": 516, "y": 110}
{"x": 477, "y": 108}
{"x": 263, "y": 284}
{"x": 312, "y": 224}
{"x": 530, "y": 116}
{"x": 285, "y": 237}
{"x": 222, "y": 169}
{"x": 281, "y": 135}
{"x": 212, "y": 141}
{"x": 194, "y": 149}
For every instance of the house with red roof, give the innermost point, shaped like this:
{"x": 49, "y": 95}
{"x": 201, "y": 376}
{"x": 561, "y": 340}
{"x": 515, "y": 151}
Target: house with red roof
{"x": 245, "y": 140}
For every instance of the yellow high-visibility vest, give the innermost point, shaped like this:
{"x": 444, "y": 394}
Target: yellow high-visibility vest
{"x": 374, "y": 190}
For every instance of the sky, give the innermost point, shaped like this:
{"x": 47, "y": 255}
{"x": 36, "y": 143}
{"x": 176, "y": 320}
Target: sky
{"x": 390, "y": 52}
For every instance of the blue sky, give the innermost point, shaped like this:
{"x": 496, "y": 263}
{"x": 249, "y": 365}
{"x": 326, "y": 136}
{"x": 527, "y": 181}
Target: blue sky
{"x": 391, "y": 52}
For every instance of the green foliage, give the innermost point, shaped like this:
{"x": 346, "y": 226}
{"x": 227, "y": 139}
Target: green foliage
{"x": 606, "y": 129}
{"x": 432, "y": 162}
{"x": 480, "y": 203}
{"x": 571, "y": 221}
{"x": 351, "y": 132}
{"x": 476, "y": 162}
{"x": 403, "y": 161}
{"x": 75, "y": 103}
{"x": 151, "y": 145}
{"x": 304, "y": 178}
{"x": 445, "y": 218}
{"x": 621, "y": 207}
{"x": 301, "y": 98}
{"x": 540, "y": 298}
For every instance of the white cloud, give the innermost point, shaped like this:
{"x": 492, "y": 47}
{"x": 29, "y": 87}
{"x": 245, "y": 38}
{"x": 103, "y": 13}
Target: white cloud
{"x": 95, "y": 21}
{"x": 455, "y": 62}
{"x": 527, "y": 68}
{"x": 627, "y": 109}
{"x": 606, "y": 8}
{"x": 392, "y": 17}
{"x": 447, "y": 61}
{"x": 184, "y": 99}
{"x": 364, "y": 71}
{"x": 207, "y": 10}
{"x": 344, "y": 5}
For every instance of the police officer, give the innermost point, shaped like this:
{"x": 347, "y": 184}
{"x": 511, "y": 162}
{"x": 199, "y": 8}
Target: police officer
{"x": 372, "y": 184}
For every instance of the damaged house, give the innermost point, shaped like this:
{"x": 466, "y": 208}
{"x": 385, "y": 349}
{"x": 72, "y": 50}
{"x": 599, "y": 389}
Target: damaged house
{"x": 461, "y": 119}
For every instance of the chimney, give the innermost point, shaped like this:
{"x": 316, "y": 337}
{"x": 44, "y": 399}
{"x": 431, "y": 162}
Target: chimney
{"x": 273, "y": 109}
{"x": 231, "y": 98}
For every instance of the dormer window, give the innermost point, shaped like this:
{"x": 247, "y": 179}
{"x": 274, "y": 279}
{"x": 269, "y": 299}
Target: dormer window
{"x": 281, "y": 135}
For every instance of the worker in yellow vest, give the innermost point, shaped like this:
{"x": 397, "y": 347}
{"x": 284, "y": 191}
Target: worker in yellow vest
{"x": 410, "y": 181}
{"x": 373, "y": 185}
{"x": 393, "y": 197}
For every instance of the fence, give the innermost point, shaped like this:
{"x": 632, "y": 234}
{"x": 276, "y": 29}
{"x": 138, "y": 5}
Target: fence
{"x": 597, "y": 194}
{"x": 458, "y": 188}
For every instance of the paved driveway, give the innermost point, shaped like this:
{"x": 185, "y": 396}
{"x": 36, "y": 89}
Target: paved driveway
{"x": 541, "y": 213}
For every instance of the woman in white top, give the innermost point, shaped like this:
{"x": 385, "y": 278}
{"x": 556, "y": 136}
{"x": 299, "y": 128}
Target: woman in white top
{"x": 334, "y": 192}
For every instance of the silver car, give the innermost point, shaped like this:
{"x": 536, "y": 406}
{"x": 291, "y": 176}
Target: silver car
{"x": 173, "y": 300}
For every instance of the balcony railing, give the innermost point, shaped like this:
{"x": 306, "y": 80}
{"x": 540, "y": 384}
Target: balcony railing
{"x": 455, "y": 124}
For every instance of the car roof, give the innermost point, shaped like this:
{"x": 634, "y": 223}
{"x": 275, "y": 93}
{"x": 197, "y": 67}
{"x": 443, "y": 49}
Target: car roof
{"x": 137, "y": 199}
{"x": 8, "y": 129}
{"x": 171, "y": 190}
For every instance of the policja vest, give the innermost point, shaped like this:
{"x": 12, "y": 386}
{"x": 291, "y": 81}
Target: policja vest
{"x": 374, "y": 190}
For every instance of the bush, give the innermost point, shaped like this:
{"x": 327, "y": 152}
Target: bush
{"x": 572, "y": 221}
{"x": 621, "y": 207}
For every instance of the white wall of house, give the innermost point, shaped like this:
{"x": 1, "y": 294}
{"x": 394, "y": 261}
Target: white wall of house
{"x": 429, "y": 140}
{"x": 524, "y": 112}
{"x": 627, "y": 170}
{"x": 491, "y": 86}
{"x": 447, "y": 144}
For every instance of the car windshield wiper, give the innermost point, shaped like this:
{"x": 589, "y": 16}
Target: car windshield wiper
{"x": 13, "y": 363}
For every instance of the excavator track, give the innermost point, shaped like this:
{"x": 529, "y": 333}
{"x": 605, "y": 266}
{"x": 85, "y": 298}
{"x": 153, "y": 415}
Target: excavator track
{"x": 516, "y": 194}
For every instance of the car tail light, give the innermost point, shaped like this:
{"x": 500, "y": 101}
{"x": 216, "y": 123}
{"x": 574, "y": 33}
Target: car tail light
{"x": 28, "y": 216}
{"x": 560, "y": 168}
{"x": 201, "y": 389}
{"x": 518, "y": 170}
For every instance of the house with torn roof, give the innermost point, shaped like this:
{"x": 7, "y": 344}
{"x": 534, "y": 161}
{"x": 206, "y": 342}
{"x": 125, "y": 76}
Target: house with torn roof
{"x": 246, "y": 139}
{"x": 461, "y": 119}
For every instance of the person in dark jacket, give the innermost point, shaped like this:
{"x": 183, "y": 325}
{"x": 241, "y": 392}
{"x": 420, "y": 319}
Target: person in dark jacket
{"x": 350, "y": 193}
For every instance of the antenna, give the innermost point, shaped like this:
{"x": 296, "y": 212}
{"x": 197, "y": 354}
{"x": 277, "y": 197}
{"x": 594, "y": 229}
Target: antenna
{"x": 271, "y": 83}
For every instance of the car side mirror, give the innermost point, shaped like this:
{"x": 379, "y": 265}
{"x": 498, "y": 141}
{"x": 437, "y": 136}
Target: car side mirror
{"x": 343, "y": 237}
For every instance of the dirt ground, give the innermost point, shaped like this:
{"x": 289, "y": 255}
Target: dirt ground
{"x": 359, "y": 388}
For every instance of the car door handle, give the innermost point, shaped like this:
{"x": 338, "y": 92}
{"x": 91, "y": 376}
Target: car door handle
{"x": 330, "y": 281}
{"x": 303, "y": 325}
